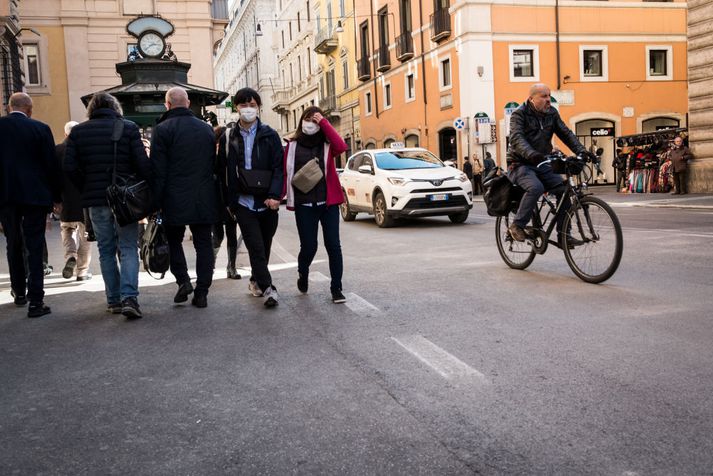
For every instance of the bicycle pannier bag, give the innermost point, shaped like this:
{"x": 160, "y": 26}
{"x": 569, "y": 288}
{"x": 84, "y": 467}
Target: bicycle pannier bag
{"x": 154, "y": 248}
{"x": 306, "y": 178}
{"x": 128, "y": 198}
{"x": 497, "y": 198}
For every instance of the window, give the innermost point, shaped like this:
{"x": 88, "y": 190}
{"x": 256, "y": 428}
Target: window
{"x": 524, "y": 63}
{"x": 309, "y": 62}
{"x": 299, "y": 26}
{"x": 593, "y": 63}
{"x": 329, "y": 18}
{"x": 444, "y": 74}
{"x": 410, "y": 88}
{"x": 405, "y": 15}
{"x": 283, "y": 38}
{"x": 345, "y": 73}
{"x": 32, "y": 64}
{"x": 299, "y": 68}
{"x": 387, "y": 96}
{"x": 367, "y": 103}
{"x": 659, "y": 63}
{"x": 383, "y": 27}
{"x": 294, "y": 118}
{"x": 289, "y": 25}
{"x": 307, "y": 11}
{"x": 292, "y": 76}
{"x": 364, "y": 36}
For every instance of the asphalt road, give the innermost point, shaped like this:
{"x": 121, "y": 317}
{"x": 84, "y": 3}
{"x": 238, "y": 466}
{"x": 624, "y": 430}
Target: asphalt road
{"x": 442, "y": 361}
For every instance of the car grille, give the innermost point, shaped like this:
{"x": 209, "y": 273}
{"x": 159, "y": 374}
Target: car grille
{"x": 422, "y": 203}
{"x": 437, "y": 190}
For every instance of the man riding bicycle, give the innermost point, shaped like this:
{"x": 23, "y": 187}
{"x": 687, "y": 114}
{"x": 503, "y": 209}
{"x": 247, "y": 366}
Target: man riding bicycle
{"x": 532, "y": 126}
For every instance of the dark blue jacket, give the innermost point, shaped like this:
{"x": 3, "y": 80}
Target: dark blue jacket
{"x": 28, "y": 169}
{"x": 89, "y": 156}
{"x": 182, "y": 165}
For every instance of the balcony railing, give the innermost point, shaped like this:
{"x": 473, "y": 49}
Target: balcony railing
{"x": 329, "y": 104}
{"x": 363, "y": 69}
{"x": 440, "y": 24}
{"x": 325, "y": 41}
{"x": 404, "y": 46}
{"x": 281, "y": 100}
{"x": 384, "y": 58}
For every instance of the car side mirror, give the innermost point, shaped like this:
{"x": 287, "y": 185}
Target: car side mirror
{"x": 365, "y": 169}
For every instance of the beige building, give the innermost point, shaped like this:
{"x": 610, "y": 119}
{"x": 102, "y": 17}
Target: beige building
{"x": 78, "y": 43}
{"x": 700, "y": 93}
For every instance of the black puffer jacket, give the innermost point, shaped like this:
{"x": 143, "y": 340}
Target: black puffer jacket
{"x": 531, "y": 135}
{"x": 89, "y": 156}
{"x": 182, "y": 165}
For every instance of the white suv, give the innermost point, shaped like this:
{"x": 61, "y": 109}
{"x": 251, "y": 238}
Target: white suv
{"x": 403, "y": 182}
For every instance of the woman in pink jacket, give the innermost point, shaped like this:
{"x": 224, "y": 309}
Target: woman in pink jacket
{"x": 316, "y": 139}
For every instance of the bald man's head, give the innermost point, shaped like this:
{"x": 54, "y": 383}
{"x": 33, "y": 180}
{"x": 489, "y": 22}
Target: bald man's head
{"x": 540, "y": 97}
{"x": 20, "y": 102}
{"x": 177, "y": 97}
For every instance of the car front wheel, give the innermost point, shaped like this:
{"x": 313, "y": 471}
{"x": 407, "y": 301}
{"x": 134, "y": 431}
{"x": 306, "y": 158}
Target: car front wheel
{"x": 382, "y": 219}
{"x": 458, "y": 217}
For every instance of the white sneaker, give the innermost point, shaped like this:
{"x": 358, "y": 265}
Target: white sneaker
{"x": 254, "y": 289}
{"x": 270, "y": 296}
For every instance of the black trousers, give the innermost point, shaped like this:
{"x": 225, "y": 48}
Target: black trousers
{"x": 28, "y": 222}
{"x": 679, "y": 180}
{"x": 204, "y": 255}
{"x": 258, "y": 228}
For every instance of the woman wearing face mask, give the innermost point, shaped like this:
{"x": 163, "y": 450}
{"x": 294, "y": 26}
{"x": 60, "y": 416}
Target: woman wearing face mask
{"x": 316, "y": 139}
{"x": 251, "y": 171}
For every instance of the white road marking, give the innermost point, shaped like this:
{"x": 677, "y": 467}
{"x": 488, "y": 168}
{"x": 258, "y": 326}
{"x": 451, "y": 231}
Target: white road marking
{"x": 280, "y": 251}
{"x": 317, "y": 277}
{"x": 669, "y": 232}
{"x": 445, "y": 364}
{"x": 361, "y": 306}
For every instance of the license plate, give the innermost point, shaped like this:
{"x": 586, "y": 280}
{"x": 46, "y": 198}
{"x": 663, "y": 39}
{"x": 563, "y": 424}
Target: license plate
{"x": 438, "y": 197}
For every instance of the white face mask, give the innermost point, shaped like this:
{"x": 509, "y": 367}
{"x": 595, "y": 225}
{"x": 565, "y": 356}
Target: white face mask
{"x": 248, "y": 114}
{"x": 310, "y": 128}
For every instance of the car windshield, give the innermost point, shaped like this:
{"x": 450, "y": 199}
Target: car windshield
{"x": 407, "y": 159}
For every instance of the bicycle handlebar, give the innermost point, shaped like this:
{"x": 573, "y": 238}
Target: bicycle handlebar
{"x": 564, "y": 158}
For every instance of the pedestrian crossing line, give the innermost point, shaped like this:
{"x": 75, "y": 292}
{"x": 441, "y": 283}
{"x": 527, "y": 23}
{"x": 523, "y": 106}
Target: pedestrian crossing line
{"x": 282, "y": 253}
{"x": 443, "y": 363}
{"x": 361, "y": 306}
{"x": 317, "y": 277}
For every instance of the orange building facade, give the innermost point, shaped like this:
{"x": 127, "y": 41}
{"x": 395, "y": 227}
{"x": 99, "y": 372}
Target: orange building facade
{"x": 615, "y": 68}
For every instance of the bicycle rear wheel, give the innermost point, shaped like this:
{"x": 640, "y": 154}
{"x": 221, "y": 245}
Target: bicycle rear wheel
{"x": 516, "y": 254}
{"x": 596, "y": 250}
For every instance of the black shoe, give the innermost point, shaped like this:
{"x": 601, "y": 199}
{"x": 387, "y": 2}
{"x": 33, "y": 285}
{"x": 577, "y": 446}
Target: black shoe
{"x": 37, "y": 309}
{"x": 233, "y": 273}
{"x": 19, "y": 300}
{"x": 48, "y": 270}
{"x": 517, "y": 233}
{"x": 114, "y": 308}
{"x": 338, "y": 297}
{"x": 130, "y": 308}
{"x": 572, "y": 242}
{"x": 200, "y": 300}
{"x": 69, "y": 266}
{"x": 302, "y": 283}
{"x": 86, "y": 277}
{"x": 183, "y": 291}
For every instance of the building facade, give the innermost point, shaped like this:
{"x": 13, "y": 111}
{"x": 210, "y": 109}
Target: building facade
{"x": 11, "y": 57}
{"x": 297, "y": 84}
{"x": 79, "y": 42}
{"x": 614, "y": 66}
{"x": 244, "y": 58}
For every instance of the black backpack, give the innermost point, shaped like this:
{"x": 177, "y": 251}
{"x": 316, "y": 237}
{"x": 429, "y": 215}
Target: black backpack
{"x": 498, "y": 190}
{"x": 154, "y": 248}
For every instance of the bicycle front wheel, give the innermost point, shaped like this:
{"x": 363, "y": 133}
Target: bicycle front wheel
{"x": 516, "y": 254}
{"x": 595, "y": 250}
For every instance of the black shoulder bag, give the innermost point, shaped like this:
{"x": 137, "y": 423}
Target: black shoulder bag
{"x": 128, "y": 198}
{"x": 154, "y": 250}
{"x": 251, "y": 181}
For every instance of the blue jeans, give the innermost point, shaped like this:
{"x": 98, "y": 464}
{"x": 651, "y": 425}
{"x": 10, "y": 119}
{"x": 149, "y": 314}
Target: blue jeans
{"x": 308, "y": 220}
{"x": 120, "y": 281}
{"x": 535, "y": 181}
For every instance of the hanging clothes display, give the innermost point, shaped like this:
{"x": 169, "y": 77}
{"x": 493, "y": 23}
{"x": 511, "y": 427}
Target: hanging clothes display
{"x": 646, "y": 158}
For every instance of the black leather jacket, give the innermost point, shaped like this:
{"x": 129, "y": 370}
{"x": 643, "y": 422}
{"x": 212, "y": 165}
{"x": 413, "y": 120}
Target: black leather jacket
{"x": 531, "y": 135}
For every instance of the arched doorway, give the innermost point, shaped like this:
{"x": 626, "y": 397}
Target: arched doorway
{"x": 370, "y": 145}
{"x": 599, "y": 133}
{"x": 388, "y": 142}
{"x": 411, "y": 140}
{"x": 447, "y": 146}
{"x": 657, "y": 123}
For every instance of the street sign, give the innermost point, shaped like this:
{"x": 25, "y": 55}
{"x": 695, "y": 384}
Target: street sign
{"x": 459, "y": 123}
{"x": 509, "y": 109}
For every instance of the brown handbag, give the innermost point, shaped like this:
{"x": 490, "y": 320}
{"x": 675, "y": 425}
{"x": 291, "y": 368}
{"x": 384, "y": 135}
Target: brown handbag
{"x": 306, "y": 178}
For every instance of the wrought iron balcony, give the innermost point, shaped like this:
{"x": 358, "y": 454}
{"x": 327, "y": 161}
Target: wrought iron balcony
{"x": 363, "y": 69}
{"x": 404, "y": 46}
{"x": 440, "y": 24}
{"x": 325, "y": 41}
{"x": 384, "y": 59}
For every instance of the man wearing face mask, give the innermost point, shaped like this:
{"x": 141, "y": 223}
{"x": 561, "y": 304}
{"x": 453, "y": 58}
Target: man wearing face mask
{"x": 251, "y": 171}
{"x": 532, "y": 126}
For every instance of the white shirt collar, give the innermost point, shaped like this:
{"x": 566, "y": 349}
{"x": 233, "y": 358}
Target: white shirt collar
{"x": 19, "y": 112}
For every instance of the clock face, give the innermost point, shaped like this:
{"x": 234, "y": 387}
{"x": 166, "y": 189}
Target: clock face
{"x": 151, "y": 44}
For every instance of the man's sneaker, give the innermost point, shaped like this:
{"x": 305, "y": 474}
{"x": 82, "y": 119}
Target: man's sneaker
{"x": 200, "y": 299}
{"x": 270, "y": 296}
{"x": 130, "y": 308}
{"x": 86, "y": 277}
{"x": 19, "y": 300}
{"x": 183, "y": 291}
{"x": 114, "y": 308}
{"x": 302, "y": 282}
{"x": 517, "y": 233}
{"x": 338, "y": 297}
{"x": 254, "y": 289}
{"x": 69, "y": 266}
{"x": 48, "y": 269}
{"x": 38, "y": 309}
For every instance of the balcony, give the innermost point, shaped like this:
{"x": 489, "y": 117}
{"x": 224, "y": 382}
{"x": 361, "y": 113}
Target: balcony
{"x": 440, "y": 25}
{"x": 329, "y": 105}
{"x": 281, "y": 101}
{"x": 404, "y": 46}
{"x": 363, "y": 69}
{"x": 325, "y": 41}
{"x": 384, "y": 59}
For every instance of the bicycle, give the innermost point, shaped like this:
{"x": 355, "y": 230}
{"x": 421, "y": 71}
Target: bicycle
{"x": 595, "y": 243}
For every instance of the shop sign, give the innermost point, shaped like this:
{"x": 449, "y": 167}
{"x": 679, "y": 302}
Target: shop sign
{"x": 509, "y": 109}
{"x": 602, "y": 132}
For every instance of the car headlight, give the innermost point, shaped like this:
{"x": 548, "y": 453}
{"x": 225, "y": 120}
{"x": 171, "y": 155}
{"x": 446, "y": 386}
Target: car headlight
{"x": 462, "y": 177}
{"x": 398, "y": 180}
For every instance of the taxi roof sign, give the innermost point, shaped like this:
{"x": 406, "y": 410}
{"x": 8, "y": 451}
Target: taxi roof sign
{"x": 397, "y": 145}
